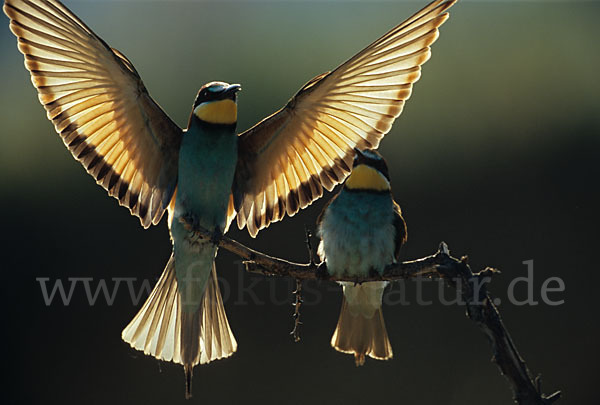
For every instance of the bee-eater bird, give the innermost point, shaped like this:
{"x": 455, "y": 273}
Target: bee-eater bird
{"x": 361, "y": 231}
{"x": 107, "y": 119}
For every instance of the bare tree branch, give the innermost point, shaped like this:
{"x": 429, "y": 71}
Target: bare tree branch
{"x": 482, "y": 310}
{"x": 457, "y": 273}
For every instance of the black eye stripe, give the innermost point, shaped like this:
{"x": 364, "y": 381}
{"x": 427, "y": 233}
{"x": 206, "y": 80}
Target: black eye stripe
{"x": 206, "y": 95}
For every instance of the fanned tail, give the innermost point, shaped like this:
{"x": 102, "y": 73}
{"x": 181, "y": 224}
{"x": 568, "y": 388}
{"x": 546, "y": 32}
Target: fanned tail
{"x": 205, "y": 334}
{"x": 156, "y": 328}
{"x": 163, "y": 330}
{"x": 361, "y": 329}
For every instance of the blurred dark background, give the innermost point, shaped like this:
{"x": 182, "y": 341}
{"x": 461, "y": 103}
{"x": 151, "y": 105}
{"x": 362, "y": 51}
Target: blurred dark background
{"x": 496, "y": 153}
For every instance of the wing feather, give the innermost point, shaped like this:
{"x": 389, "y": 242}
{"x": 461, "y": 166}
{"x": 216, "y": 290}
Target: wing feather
{"x": 99, "y": 106}
{"x": 287, "y": 159}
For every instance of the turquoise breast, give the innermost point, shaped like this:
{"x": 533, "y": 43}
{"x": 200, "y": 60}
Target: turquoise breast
{"x": 357, "y": 233}
{"x": 207, "y": 161}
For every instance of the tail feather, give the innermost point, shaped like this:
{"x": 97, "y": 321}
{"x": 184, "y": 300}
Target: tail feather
{"x": 162, "y": 329}
{"x": 218, "y": 338}
{"x": 361, "y": 329}
{"x": 156, "y": 327}
{"x": 189, "y": 373}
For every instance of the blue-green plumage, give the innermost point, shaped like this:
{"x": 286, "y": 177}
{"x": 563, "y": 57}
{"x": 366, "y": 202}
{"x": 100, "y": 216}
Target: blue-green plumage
{"x": 363, "y": 225}
{"x": 361, "y": 230}
{"x": 207, "y": 161}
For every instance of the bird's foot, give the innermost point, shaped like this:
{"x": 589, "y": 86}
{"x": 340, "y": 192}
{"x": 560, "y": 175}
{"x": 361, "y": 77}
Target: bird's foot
{"x": 217, "y": 235}
{"x": 374, "y": 274}
{"x": 321, "y": 271}
{"x": 190, "y": 222}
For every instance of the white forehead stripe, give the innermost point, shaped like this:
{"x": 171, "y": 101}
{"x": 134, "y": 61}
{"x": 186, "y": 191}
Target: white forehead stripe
{"x": 371, "y": 155}
{"x": 216, "y": 88}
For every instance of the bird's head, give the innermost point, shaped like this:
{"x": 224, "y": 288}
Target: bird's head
{"x": 216, "y": 103}
{"x": 369, "y": 172}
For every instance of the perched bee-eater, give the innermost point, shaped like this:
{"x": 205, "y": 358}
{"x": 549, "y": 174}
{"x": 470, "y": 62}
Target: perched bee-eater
{"x": 207, "y": 172}
{"x": 361, "y": 231}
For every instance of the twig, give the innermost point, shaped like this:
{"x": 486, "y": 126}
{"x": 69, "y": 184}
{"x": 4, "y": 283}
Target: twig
{"x": 297, "y": 303}
{"x": 298, "y": 292}
{"x": 480, "y": 306}
{"x": 311, "y": 254}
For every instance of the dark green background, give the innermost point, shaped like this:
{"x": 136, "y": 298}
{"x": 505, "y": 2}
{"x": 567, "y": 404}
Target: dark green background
{"x": 496, "y": 153}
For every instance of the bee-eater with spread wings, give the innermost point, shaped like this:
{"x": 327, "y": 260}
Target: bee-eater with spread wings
{"x": 106, "y": 117}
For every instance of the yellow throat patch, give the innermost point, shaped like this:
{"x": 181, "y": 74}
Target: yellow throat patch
{"x": 217, "y": 112}
{"x": 367, "y": 178}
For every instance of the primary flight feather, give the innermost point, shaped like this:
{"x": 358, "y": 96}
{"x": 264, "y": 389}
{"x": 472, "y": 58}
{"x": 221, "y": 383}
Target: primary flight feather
{"x": 107, "y": 119}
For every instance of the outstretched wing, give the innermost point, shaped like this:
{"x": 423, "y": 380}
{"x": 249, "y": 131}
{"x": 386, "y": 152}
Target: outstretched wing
{"x": 99, "y": 106}
{"x": 287, "y": 159}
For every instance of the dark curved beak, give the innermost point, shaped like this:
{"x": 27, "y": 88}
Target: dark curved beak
{"x": 230, "y": 92}
{"x": 232, "y": 89}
